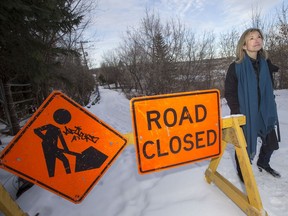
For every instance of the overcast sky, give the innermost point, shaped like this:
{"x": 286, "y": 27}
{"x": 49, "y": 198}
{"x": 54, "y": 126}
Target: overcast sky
{"x": 113, "y": 17}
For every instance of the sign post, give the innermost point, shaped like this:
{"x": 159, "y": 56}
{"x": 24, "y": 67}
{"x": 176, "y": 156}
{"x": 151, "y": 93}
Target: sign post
{"x": 63, "y": 148}
{"x": 175, "y": 129}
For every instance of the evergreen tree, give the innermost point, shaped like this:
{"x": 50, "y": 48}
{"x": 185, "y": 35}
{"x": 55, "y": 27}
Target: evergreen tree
{"x": 162, "y": 65}
{"x": 29, "y": 35}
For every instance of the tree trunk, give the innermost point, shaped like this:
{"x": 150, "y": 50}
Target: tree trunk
{"x": 14, "y": 127}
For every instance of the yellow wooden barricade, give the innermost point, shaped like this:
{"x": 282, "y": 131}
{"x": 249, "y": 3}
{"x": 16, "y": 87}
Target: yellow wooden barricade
{"x": 232, "y": 133}
{"x": 8, "y": 206}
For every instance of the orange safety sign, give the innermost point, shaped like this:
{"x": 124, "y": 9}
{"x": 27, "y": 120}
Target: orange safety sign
{"x": 175, "y": 129}
{"x": 63, "y": 148}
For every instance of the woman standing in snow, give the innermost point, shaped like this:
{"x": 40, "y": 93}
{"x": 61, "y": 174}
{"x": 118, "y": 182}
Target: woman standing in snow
{"x": 249, "y": 91}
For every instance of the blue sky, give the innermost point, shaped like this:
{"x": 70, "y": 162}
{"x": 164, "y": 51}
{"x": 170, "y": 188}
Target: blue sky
{"x": 112, "y": 18}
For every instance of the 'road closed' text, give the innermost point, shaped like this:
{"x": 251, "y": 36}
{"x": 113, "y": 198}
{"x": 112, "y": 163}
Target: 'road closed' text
{"x": 175, "y": 129}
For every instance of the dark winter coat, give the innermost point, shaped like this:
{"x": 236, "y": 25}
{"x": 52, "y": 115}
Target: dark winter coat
{"x": 231, "y": 85}
{"x": 232, "y": 97}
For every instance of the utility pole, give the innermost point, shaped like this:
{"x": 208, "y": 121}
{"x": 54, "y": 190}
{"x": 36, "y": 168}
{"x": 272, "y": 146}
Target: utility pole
{"x": 85, "y": 68}
{"x": 84, "y": 54}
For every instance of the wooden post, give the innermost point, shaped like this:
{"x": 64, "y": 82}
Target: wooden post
{"x": 8, "y": 206}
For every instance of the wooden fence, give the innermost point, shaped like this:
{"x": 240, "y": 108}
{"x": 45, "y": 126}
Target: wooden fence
{"x": 23, "y": 101}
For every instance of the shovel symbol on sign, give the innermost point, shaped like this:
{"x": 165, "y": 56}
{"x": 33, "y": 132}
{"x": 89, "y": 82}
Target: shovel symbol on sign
{"x": 90, "y": 158}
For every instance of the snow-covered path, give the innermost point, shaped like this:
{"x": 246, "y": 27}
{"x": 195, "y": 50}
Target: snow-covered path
{"x": 182, "y": 191}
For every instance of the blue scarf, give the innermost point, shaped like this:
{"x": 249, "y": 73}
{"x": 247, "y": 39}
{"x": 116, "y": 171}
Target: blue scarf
{"x": 260, "y": 120}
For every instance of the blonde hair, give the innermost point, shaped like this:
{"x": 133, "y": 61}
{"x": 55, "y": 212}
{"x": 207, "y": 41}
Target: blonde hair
{"x": 242, "y": 41}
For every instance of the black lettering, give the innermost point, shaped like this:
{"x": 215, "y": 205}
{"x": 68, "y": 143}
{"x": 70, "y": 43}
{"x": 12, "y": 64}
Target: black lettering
{"x": 185, "y": 115}
{"x": 151, "y": 119}
{"x": 197, "y": 112}
{"x": 174, "y": 116}
{"x": 213, "y": 135}
{"x": 178, "y": 144}
{"x": 160, "y": 154}
{"x": 145, "y": 151}
{"x": 189, "y": 142}
{"x": 198, "y": 139}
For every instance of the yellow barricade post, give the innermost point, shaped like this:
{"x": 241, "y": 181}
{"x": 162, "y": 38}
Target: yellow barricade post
{"x": 232, "y": 133}
{"x": 8, "y": 206}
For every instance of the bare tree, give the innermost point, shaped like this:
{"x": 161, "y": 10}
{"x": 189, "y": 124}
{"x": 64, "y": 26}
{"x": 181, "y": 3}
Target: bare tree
{"x": 228, "y": 43}
{"x": 162, "y": 58}
{"x": 144, "y": 52}
{"x": 256, "y": 18}
{"x": 133, "y": 58}
{"x": 278, "y": 46}
{"x": 110, "y": 69}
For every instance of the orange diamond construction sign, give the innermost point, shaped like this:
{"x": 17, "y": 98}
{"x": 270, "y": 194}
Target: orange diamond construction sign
{"x": 63, "y": 148}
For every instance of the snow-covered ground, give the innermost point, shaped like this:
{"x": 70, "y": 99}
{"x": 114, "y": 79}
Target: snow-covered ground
{"x": 180, "y": 191}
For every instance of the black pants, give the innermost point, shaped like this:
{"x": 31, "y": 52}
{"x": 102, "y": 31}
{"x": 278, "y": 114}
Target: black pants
{"x": 269, "y": 144}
